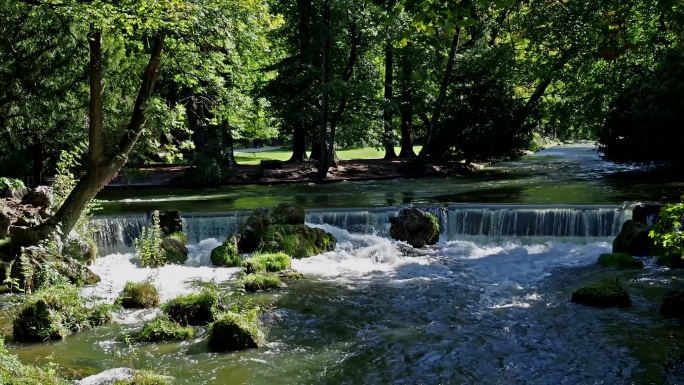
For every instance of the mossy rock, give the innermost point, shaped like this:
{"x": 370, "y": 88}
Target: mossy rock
{"x": 620, "y": 261}
{"x": 255, "y": 282}
{"x": 633, "y": 239}
{"x": 163, "y": 329}
{"x": 175, "y": 251}
{"x": 81, "y": 249}
{"x": 298, "y": 241}
{"x": 415, "y": 227}
{"x": 55, "y": 312}
{"x": 288, "y": 214}
{"x": 268, "y": 263}
{"x": 226, "y": 255}
{"x": 192, "y": 309}
{"x": 144, "y": 377}
{"x": 671, "y": 261}
{"x": 139, "y": 296}
{"x": 252, "y": 228}
{"x": 235, "y": 331}
{"x": 291, "y": 275}
{"x": 606, "y": 293}
{"x": 673, "y": 305}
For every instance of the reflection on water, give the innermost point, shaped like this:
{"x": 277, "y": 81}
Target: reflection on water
{"x": 568, "y": 174}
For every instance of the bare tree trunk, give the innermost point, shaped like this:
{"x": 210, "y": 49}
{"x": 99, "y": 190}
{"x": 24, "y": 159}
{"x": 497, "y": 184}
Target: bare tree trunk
{"x": 323, "y": 163}
{"x": 298, "y": 145}
{"x": 442, "y": 94}
{"x": 387, "y": 114}
{"x": 300, "y": 131}
{"x": 38, "y": 153}
{"x": 101, "y": 168}
{"x": 406, "y": 107}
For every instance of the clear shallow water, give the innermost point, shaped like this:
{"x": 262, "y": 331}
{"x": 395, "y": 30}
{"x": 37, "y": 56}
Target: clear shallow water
{"x": 566, "y": 174}
{"x": 463, "y": 313}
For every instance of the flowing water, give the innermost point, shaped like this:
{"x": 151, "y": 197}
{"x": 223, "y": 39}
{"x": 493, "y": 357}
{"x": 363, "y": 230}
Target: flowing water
{"x": 489, "y": 304}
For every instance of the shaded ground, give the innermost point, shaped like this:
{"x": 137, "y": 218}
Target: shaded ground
{"x": 359, "y": 169}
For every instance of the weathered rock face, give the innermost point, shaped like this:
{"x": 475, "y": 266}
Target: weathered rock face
{"x": 415, "y": 227}
{"x": 40, "y": 196}
{"x": 282, "y": 229}
{"x": 673, "y": 304}
{"x": 170, "y": 222}
{"x": 17, "y": 193}
{"x": 633, "y": 239}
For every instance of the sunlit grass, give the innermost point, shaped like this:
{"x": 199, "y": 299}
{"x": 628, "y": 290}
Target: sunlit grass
{"x": 284, "y": 154}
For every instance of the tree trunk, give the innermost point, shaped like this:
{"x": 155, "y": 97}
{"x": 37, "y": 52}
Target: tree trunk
{"x": 38, "y": 162}
{"x": 387, "y": 113}
{"x": 100, "y": 172}
{"x": 298, "y": 145}
{"x": 442, "y": 95}
{"x": 199, "y": 131}
{"x": 323, "y": 163}
{"x": 406, "y": 107}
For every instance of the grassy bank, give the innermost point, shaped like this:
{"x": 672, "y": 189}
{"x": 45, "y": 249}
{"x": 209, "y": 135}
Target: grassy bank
{"x": 285, "y": 153}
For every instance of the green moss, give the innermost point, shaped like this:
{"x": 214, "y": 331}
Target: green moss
{"x": 255, "y": 282}
{"x": 298, "y": 241}
{"x": 163, "y": 329}
{"x": 144, "y": 377}
{"x": 193, "y": 309}
{"x": 620, "y": 261}
{"x": 287, "y": 214}
{"x": 236, "y": 331}
{"x": 174, "y": 250}
{"x": 138, "y": 295}
{"x": 179, "y": 236}
{"x": 55, "y": 312}
{"x": 606, "y": 293}
{"x": 268, "y": 263}
{"x": 291, "y": 274}
{"x": 226, "y": 255}
{"x": 14, "y": 372}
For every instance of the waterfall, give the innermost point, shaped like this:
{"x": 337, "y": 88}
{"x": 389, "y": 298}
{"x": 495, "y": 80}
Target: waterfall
{"x": 484, "y": 223}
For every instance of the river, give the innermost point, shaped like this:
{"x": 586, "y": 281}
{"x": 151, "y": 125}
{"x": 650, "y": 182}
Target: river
{"x": 489, "y": 304}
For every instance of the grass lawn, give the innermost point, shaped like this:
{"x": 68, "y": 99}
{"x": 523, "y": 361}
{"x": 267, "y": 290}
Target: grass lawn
{"x": 284, "y": 154}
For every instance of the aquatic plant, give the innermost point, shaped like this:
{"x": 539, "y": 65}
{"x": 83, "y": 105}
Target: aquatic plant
{"x": 261, "y": 263}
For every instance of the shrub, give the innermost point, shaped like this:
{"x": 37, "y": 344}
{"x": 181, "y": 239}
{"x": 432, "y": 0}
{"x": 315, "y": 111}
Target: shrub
{"x": 163, "y": 329}
{"x": 255, "y": 282}
{"x": 236, "y": 331}
{"x": 226, "y": 255}
{"x": 268, "y": 263}
{"x": 144, "y": 377}
{"x": 14, "y": 372}
{"x": 667, "y": 235}
{"x": 10, "y": 183}
{"x": 149, "y": 245}
{"x": 138, "y": 295}
{"x": 194, "y": 309}
{"x": 55, "y": 312}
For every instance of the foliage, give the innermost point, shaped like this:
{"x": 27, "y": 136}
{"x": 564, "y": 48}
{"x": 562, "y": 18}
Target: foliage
{"x": 14, "y": 372}
{"x": 262, "y": 263}
{"x": 211, "y": 166}
{"x": 666, "y": 233}
{"x": 145, "y": 377}
{"x": 149, "y": 245}
{"x": 226, "y": 255}
{"x": 163, "y": 329}
{"x": 55, "y": 312}
{"x": 260, "y": 281}
{"x": 235, "y": 331}
{"x": 138, "y": 295}
{"x": 608, "y": 292}
{"x": 10, "y": 183}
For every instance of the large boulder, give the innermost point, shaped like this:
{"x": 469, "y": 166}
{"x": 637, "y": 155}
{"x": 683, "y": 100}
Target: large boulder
{"x": 175, "y": 251}
{"x": 226, "y": 255}
{"x": 620, "y": 261}
{"x": 647, "y": 214}
{"x": 81, "y": 249}
{"x": 288, "y": 214}
{"x": 608, "y": 292}
{"x": 235, "y": 331}
{"x": 40, "y": 196}
{"x": 633, "y": 239}
{"x": 673, "y": 304}
{"x": 415, "y": 227}
{"x": 297, "y": 241}
{"x": 252, "y": 228}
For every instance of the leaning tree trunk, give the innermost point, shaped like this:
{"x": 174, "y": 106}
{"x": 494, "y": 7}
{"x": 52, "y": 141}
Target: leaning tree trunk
{"x": 101, "y": 168}
{"x": 387, "y": 113}
{"x": 442, "y": 95}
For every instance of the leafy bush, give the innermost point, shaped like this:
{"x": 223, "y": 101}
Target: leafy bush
{"x": 10, "y": 183}
{"x": 138, "y": 295}
{"x": 667, "y": 235}
{"x": 149, "y": 245}
{"x": 54, "y": 312}
{"x": 268, "y": 263}
{"x": 255, "y": 282}
{"x": 164, "y": 329}
{"x": 211, "y": 166}
{"x": 14, "y": 372}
